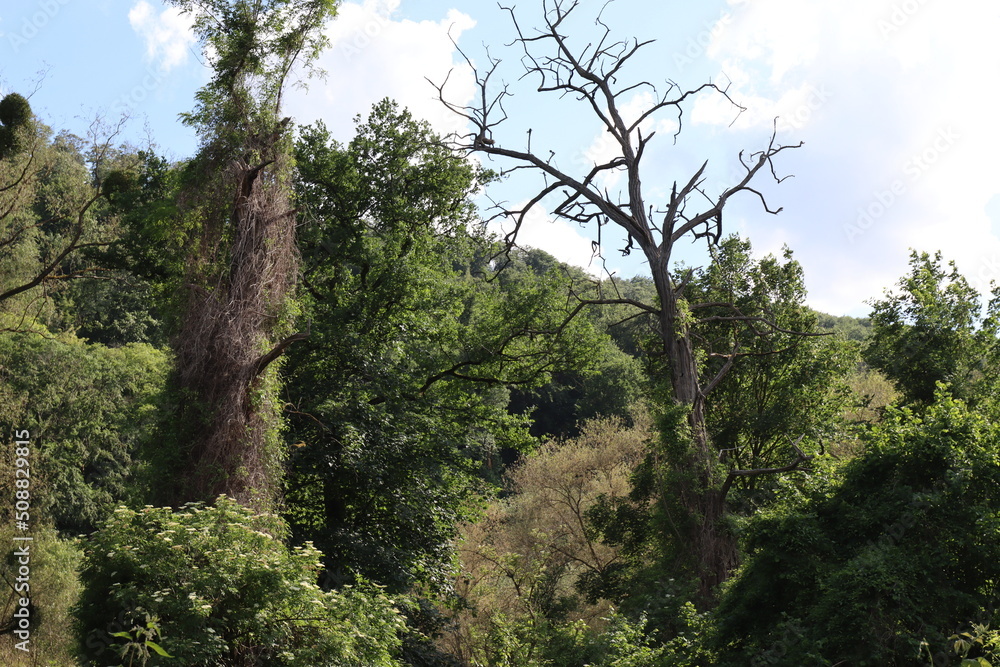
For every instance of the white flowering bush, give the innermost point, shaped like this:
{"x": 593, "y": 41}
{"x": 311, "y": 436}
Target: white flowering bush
{"x": 224, "y": 590}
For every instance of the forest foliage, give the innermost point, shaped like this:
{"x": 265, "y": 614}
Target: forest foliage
{"x": 291, "y": 401}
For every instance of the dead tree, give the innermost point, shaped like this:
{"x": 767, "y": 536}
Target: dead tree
{"x": 594, "y": 75}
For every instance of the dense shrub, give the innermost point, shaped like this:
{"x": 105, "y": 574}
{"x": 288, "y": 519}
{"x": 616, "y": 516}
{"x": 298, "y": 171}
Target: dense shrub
{"x": 900, "y": 547}
{"x": 220, "y": 588}
{"x": 53, "y": 589}
{"x": 89, "y": 410}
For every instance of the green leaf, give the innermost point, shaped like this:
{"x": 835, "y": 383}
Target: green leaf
{"x": 159, "y": 649}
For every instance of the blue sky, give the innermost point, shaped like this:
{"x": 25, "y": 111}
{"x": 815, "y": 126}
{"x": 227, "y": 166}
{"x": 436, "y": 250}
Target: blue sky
{"x": 893, "y": 99}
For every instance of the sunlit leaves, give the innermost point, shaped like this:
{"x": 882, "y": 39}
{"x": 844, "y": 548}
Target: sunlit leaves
{"x": 225, "y": 586}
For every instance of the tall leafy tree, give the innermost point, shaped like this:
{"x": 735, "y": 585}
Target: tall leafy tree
{"x": 135, "y": 297}
{"x": 768, "y": 415}
{"x": 398, "y": 399}
{"x": 51, "y": 206}
{"x": 784, "y": 385}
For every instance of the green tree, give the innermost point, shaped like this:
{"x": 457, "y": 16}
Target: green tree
{"x": 782, "y": 384}
{"x": 15, "y": 120}
{"x": 933, "y": 330}
{"x": 769, "y": 414}
{"x": 51, "y": 208}
{"x": 91, "y": 412}
{"x": 398, "y": 399}
{"x": 137, "y": 295}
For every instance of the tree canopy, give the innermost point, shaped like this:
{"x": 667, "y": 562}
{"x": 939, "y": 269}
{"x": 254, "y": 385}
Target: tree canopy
{"x": 933, "y": 330}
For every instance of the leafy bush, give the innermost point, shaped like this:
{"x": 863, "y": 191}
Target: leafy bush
{"x": 224, "y": 590}
{"x": 862, "y": 567}
{"x": 976, "y": 647}
{"x": 89, "y": 410}
{"x": 625, "y": 642}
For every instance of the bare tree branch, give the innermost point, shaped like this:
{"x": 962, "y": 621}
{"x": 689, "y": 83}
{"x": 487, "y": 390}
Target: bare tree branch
{"x": 796, "y": 464}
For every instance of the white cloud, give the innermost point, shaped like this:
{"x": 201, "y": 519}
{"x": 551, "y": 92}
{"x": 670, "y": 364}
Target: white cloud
{"x": 372, "y": 56}
{"x": 795, "y": 106}
{"x": 168, "y": 35}
{"x": 557, "y": 237}
{"x": 871, "y": 86}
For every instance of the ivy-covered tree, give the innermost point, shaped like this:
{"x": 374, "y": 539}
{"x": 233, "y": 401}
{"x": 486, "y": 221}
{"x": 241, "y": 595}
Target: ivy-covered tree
{"x": 15, "y": 123}
{"x": 237, "y": 315}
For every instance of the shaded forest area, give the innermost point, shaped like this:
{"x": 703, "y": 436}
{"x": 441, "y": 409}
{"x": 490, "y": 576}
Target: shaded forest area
{"x": 290, "y": 402}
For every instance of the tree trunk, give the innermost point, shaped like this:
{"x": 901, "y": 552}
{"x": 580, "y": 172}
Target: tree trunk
{"x": 713, "y": 547}
{"x": 592, "y": 76}
{"x": 230, "y": 323}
